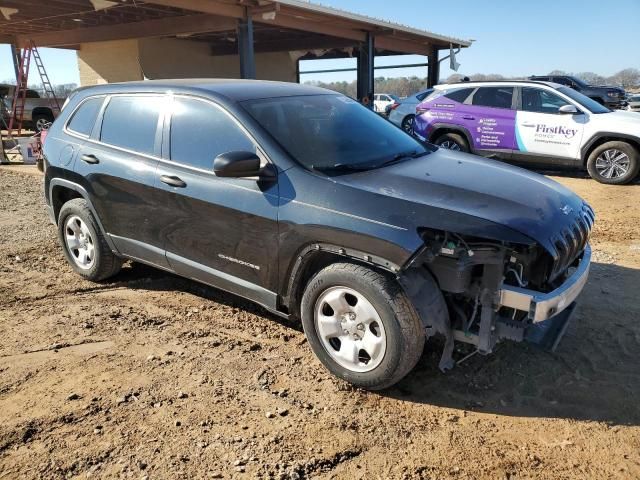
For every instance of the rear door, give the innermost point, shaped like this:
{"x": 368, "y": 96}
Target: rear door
{"x": 221, "y": 231}
{"x": 490, "y": 120}
{"x": 543, "y": 134}
{"x": 118, "y": 162}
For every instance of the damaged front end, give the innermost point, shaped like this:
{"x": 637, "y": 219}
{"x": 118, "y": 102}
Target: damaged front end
{"x": 496, "y": 290}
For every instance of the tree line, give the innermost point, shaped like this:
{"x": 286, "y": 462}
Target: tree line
{"x": 629, "y": 78}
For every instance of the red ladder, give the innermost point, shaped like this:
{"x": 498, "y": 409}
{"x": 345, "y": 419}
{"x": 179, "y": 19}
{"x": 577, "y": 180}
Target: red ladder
{"x": 20, "y": 94}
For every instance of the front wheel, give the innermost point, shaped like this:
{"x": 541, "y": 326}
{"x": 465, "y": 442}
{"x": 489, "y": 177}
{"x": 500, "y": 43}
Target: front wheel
{"x": 361, "y": 325}
{"x": 452, "y": 141}
{"x": 614, "y": 163}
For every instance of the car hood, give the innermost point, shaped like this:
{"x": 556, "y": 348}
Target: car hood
{"x": 621, "y": 115}
{"x": 470, "y": 188}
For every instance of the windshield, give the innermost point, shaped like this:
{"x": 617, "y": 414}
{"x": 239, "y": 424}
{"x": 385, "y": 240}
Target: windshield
{"x": 578, "y": 82}
{"x": 333, "y": 133}
{"x": 586, "y": 102}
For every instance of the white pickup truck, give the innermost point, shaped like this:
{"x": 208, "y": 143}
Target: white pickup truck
{"x": 38, "y": 113}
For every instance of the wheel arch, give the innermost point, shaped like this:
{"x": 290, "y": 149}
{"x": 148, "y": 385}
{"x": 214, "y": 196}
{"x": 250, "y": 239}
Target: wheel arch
{"x": 317, "y": 256}
{"x": 440, "y": 129}
{"x": 61, "y": 191}
{"x": 603, "y": 137}
{"x": 42, "y": 111}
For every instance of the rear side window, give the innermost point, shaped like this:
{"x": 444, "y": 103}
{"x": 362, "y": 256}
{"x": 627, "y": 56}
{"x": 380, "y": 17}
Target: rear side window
{"x": 132, "y": 122}
{"x": 459, "y": 95}
{"x": 84, "y": 118}
{"x": 495, "y": 97}
{"x": 201, "y": 131}
{"x": 421, "y": 96}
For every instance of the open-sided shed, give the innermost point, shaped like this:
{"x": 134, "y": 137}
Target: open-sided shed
{"x": 120, "y": 40}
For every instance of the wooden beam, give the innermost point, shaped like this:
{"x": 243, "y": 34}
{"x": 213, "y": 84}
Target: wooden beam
{"x": 188, "y": 24}
{"x": 283, "y": 18}
{"x": 402, "y": 46}
{"x": 285, "y": 21}
{"x": 7, "y": 39}
{"x": 205, "y": 6}
{"x": 287, "y": 45}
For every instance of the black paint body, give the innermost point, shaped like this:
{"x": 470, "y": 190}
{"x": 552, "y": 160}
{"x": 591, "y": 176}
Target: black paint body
{"x": 245, "y": 235}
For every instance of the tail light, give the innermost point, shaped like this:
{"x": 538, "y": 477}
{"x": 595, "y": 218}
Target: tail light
{"x": 394, "y": 106}
{"x": 422, "y": 109}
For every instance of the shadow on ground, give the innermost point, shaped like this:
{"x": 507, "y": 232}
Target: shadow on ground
{"x": 593, "y": 375}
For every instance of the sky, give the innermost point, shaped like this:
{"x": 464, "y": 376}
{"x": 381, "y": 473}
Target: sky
{"x": 512, "y": 37}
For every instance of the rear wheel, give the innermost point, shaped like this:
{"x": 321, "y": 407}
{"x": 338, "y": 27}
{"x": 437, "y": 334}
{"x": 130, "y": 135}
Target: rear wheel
{"x": 361, "y": 325}
{"x": 42, "y": 121}
{"x": 614, "y": 163}
{"x": 452, "y": 141}
{"x": 407, "y": 123}
{"x": 84, "y": 245}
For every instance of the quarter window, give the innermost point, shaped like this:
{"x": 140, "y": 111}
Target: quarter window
{"x": 132, "y": 122}
{"x": 84, "y": 118}
{"x": 541, "y": 101}
{"x": 495, "y": 97}
{"x": 459, "y": 95}
{"x": 201, "y": 131}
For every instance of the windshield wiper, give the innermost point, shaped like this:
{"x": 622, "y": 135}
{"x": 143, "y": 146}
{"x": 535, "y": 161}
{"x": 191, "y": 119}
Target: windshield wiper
{"x": 342, "y": 167}
{"x": 399, "y": 157}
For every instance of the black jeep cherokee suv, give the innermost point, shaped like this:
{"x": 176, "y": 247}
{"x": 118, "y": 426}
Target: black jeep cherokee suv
{"x": 316, "y": 208}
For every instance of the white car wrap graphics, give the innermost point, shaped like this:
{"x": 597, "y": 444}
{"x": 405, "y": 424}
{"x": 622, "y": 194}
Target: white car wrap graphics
{"x": 547, "y": 134}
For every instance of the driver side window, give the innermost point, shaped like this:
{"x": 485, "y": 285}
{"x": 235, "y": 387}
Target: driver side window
{"x": 541, "y": 101}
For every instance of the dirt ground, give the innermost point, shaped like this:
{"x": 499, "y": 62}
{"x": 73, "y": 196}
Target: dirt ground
{"x": 153, "y": 376}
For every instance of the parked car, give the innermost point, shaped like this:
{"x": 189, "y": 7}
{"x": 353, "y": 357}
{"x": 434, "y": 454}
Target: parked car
{"x": 382, "y": 100}
{"x": 38, "y": 113}
{"x": 316, "y": 208}
{"x": 535, "y": 124}
{"x": 611, "y": 97}
{"x": 633, "y": 103}
{"x": 404, "y": 113}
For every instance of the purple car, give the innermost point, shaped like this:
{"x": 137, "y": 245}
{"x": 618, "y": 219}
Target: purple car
{"x": 535, "y": 124}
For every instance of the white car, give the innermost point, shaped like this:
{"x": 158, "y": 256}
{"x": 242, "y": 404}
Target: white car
{"x": 382, "y": 100}
{"x": 634, "y": 103}
{"x": 405, "y": 112}
{"x": 531, "y": 123}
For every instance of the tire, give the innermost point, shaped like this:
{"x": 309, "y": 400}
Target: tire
{"x": 78, "y": 227}
{"x": 367, "y": 304}
{"x": 42, "y": 121}
{"x": 453, "y": 141}
{"x": 407, "y": 124}
{"x": 614, "y": 163}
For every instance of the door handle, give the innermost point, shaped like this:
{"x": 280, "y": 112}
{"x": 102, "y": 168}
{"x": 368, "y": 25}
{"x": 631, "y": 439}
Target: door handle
{"x": 468, "y": 117}
{"x": 91, "y": 159}
{"x": 173, "y": 181}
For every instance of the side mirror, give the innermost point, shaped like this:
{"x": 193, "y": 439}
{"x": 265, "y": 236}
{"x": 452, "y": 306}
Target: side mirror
{"x": 568, "y": 110}
{"x": 237, "y": 164}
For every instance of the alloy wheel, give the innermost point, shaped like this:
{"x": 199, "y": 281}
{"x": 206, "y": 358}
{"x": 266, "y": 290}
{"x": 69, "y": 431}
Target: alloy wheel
{"x": 450, "y": 145}
{"x": 612, "y": 163}
{"x": 350, "y": 329}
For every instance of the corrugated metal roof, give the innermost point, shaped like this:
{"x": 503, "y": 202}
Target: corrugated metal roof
{"x": 319, "y": 8}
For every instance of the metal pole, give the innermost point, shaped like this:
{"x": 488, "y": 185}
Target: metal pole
{"x": 245, "y": 46}
{"x": 365, "y": 71}
{"x": 433, "y": 75}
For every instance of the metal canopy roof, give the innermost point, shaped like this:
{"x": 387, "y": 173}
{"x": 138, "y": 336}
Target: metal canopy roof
{"x": 279, "y": 25}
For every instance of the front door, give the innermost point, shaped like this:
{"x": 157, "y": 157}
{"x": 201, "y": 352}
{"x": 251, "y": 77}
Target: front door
{"x": 543, "y": 134}
{"x": 221, "y": 231}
